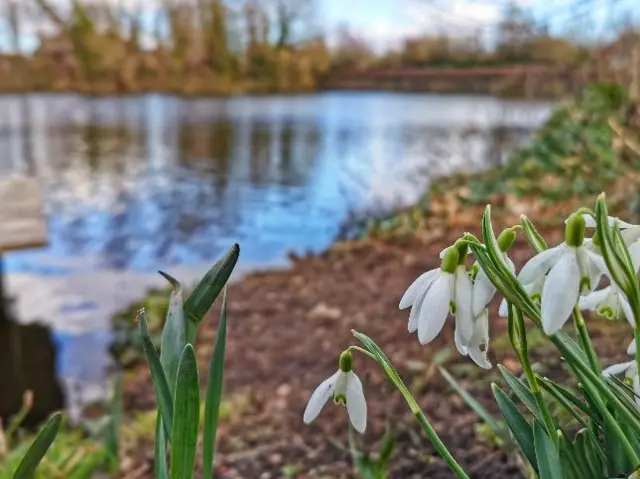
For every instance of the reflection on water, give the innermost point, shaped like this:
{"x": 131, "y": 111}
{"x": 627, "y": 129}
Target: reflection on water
{"x": 141, "y": 183}
{"x": 27, "y": 363}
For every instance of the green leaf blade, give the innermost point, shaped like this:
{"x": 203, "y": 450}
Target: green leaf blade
{"x": 208, "y": 289}
{"x": 214, "y": 394}
{"x": 173, "y": 334}
{"x": 186, "y": 417}
{"x": 160, "y": 467}
{"x": 158, "y": 377}
{"x": 522, "y": 392}
{"x": 549, "y": 466}
{"x": 518, "y": 425}
{"x": 39, "y": 448}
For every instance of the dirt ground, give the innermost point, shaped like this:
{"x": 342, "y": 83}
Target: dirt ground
{"x": 286, "y": 331}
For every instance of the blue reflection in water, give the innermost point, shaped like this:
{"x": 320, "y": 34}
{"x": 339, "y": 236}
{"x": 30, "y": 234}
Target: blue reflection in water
{"x": 141, "y": 183}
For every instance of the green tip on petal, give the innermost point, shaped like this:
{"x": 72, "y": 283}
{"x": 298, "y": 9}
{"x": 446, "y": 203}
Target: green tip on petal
{"x": 340, "y": 399}
{"x": 506, "y": 239}
{"x": 450, "y": 260}
{"x": 606, "y": 312}
{"x": 346, "y": 361}
{"x": 574, "y": 231}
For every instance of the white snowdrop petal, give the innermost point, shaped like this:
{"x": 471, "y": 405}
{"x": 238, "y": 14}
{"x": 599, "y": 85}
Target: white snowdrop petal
{"x": 418, "y": 287}
{"x": 591, "y": 265}
{"x": 510, "y": 265}
{"x": 482, "y": 292}
{"x": 463, "y": 301}
{"x": 319, "y": 398}
{"x": 435, "y": 308}
{"x": 634, "y": 252}
{"x": 616, "y": 369}
{"x": 356, "y": 403}
{"x": 636, "y": 388}
{"x": 503, "y": 310}
{"x": 591, "y": 301}
{"x": 626, "y": 309}
{"x": 480, "y": 357}
{"x": 631, "y": 349}
{"x": 462, "y": 349}
{"x": 630, "y": 235}
{"x": 560, "y": 292}
{"x": 539, "y": 265}
{"x": 589, "y": 221}
{"x": 414, "y": 315}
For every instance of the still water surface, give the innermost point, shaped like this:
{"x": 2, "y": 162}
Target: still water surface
{"x": 141, "y": 183}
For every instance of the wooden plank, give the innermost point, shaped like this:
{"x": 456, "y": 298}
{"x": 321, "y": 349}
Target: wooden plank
{"x": 22, "y": 222}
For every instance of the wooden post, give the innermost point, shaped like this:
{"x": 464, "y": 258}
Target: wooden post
{"x": 22, "y": 223}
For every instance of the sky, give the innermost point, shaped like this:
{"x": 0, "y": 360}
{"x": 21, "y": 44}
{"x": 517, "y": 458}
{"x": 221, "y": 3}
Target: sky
{"x": 384, "y": 23}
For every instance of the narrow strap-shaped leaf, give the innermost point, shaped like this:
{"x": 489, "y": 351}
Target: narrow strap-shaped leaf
{"x": 38, "y": 448}
{"x": 160, "y": 466}
{"x": 555, "y": 391}
{"x": 186, "y": 417}
{"x": 570, "y": 466}
{"x": 478, "y": 408}
{"x": 90, "y": 463}
{"x": 112, "y": 438}
{"x": 617, "y": 462}
{"x": 159, "y": 379}
{"x": 582, "y": 448}
{"x": 214, "y": 394}
{"x": 549, "y": 466}
{"x": 559, "y": 392}
{"x": 566, "y": 405}
{"x": 173, "y": 334}
{"x": 577, "y": 362}
{"x": 535, "y": 238}
{"x": 518, "y": 425}
{"x": 522, "y": 392}
{"x": 206, "y": 292}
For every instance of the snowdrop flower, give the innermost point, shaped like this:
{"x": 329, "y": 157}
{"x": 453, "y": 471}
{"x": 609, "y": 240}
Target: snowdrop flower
{"x": 630, "y": 371}
{"x": 437, "y": 292}
{"x": 346, "y": 388}
{"x": 534, "y": 290}
{"x": 630, "y": 233}
{"x": 571, "y": 267}
{"x": 608, "y": 302}
{"x": 478, "y": 347}
{"x": 483, "y": 289}
{"x": 631, "y": 349}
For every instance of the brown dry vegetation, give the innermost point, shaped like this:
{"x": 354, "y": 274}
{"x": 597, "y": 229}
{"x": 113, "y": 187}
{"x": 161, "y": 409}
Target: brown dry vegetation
{"x": 224, "y": 47}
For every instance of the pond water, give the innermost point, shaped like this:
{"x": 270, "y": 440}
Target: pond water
{"x": 140, "y": 183}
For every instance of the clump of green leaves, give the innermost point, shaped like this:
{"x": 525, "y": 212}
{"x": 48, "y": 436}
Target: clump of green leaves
{"x": 174, "y": 373}
{"x": 60, "y": 454}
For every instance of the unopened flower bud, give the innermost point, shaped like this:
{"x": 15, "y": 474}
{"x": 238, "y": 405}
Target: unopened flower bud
{"x": 346, "y": 361}
{"x": 450, "y": 260}
{"x": 574, "y": 231}
{"x": 506, "y": 239}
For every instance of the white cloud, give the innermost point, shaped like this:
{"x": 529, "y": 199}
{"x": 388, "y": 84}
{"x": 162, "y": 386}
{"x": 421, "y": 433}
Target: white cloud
{"x": 459, "y": 17}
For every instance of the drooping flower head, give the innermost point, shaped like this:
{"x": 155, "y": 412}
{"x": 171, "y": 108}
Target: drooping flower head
{"x": 440, "y": 291}
{"x": 346, "y": 388}
{"x": 570, "y": 269}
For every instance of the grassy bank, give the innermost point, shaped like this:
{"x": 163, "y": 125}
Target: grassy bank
{"x": 588, "y": 145}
